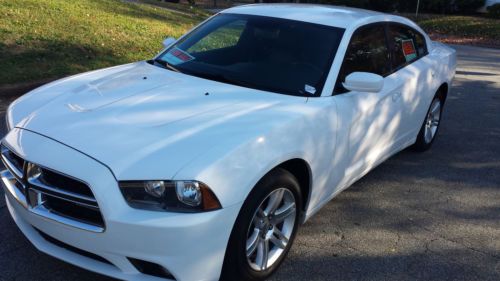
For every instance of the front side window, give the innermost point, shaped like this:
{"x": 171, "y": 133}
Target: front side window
{"x": 407, "y": 45}
{"x": 367, "y": 52}
{"x": 271, "y": 54}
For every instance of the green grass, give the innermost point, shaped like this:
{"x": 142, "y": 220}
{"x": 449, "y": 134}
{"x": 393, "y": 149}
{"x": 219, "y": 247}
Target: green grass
{"x": 45, "y": 39}
{"x": 481, "y": 30}
{"x": 41, "y": 39}
{"x": 221, "y": 38}
{"x": 181, "y": 7}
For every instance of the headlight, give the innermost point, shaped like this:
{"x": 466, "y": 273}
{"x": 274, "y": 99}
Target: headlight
{"x": 175, "y": 196}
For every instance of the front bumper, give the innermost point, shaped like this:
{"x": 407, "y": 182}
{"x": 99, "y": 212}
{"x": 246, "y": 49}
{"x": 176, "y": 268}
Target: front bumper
{"x": 189, "y": 246}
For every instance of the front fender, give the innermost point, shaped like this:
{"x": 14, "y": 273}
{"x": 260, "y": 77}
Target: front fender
{"x": 232, "y": 174}
{"x": 234, "y": 167}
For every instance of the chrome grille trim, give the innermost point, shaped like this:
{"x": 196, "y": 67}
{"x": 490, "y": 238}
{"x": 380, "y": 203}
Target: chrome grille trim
{"x": 58, "y": 196}
{"x": 67, "y": 195}
{"x": 9, "y": 165}
{"x": 9, "y": 182}
{"x": 44, "y": 212}
{"x": 36, "y": 195}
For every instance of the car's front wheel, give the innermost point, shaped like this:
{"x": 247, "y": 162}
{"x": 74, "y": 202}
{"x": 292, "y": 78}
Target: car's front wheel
{"x": 265, "y": 228}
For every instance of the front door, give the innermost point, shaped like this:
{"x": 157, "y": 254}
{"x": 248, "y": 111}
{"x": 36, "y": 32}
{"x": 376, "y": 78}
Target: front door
{"x": 371, "y": 119}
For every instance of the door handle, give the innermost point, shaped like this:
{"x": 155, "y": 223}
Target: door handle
{"x": 396, "y": 96}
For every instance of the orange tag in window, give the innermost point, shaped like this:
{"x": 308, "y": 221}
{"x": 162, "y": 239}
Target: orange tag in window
{"x": 409, "y": 50}
{"x": 177, "y": 56}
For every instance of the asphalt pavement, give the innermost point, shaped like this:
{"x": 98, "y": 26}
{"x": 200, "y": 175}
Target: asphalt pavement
{"x": 418, "y": 216}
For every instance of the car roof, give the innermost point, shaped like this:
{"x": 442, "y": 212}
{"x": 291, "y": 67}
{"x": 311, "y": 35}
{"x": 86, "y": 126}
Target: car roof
{"x": 320, "y": 14}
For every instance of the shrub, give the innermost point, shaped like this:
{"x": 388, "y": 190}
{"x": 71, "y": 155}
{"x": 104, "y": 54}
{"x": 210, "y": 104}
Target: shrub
{"x": 434, "y": 6}
{"x": 467, "y": 6}
{"x": 385, "y": 5}
{"x": 426, "y": 6}
{"x": 451, "y": 6}
{"x": 494, "y": 11}
{"x": 350, "y": 3}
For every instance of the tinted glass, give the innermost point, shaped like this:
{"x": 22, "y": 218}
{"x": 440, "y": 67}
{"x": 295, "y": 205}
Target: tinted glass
{"x": 407, "y": 45}
{"x": 278, "y": 55}
{"x": 223, "y": 37}
{"x": 367, "y": 52}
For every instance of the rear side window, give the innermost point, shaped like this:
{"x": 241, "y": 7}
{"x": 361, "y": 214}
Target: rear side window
{"x": 407, "y": 45}
{"x": 367, "y": 52}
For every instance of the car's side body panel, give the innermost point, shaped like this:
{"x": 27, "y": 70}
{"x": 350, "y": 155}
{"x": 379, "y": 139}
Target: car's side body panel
{"x": 374, "y": 126}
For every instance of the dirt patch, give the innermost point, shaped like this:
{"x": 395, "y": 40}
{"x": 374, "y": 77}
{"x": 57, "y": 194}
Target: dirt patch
{"x": 19, "y": 89}
{"x": 460, "y": 40}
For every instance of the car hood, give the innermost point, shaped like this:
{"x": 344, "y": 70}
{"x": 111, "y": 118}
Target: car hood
{"x": 141, "y": 120}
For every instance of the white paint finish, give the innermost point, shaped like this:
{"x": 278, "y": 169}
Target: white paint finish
{"x": 168, "y": 41}
{"x": 364, "y": 82}
{"x": 171, "y": 112}
{"x": 113, "y": 124}
{"x": 164, "y": 238}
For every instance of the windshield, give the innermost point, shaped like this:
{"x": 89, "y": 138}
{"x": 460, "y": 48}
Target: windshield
{"x": 271, "y": 54}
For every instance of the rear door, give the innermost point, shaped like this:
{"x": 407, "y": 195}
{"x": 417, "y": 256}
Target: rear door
{"x": 410, "y": 64}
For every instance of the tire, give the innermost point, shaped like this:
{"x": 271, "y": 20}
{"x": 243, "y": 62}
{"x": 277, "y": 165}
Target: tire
{"x": 430, "y": 126}
{"x": 253, "y": 225}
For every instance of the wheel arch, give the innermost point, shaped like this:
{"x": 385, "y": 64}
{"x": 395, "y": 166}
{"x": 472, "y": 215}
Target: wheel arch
{"x": 442, "y": 91}
{"x": 301, "y": 170}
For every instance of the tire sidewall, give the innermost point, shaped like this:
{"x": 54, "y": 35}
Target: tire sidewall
{"x": 421, "y": 144}
{"x": 236, "y": 266}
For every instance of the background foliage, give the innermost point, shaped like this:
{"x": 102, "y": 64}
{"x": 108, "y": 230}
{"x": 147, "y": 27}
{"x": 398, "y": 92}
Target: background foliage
{"x": 50, "y": 38}
{"x": 428, "y": 6}
{"x": 494, "y": 11}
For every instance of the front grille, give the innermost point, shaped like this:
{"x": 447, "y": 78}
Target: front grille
{"x": 15, "y": 164}
{"x": 70, "y": 209}
{"x": 52, "y": 194}
{"x": 14, "y": 161}
{"x": 69, "y": 184}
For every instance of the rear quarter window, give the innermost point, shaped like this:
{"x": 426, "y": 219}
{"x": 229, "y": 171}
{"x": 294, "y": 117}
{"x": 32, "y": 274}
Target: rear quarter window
{"x": 407, "y": 45}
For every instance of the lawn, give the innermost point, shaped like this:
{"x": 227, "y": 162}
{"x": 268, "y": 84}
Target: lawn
{"x": 44, "y": 39}
{"x": 471, "y": 30}
{"x": 47, "y": 39}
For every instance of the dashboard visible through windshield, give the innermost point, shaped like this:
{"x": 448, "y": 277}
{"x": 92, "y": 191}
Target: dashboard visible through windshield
{"x": 264, "y": 53}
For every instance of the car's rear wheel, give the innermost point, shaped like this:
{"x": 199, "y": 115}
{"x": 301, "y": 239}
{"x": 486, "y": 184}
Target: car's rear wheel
{"x": 430, "y": 127}
{"x": 265, "y": 228}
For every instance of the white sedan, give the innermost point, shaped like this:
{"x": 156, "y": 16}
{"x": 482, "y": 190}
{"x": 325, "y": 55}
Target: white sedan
{"x": 200, "y": 163}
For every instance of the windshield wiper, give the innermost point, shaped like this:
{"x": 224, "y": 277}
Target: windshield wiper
{"x": 166, "y": 65}
{"x": 210, "y": 76}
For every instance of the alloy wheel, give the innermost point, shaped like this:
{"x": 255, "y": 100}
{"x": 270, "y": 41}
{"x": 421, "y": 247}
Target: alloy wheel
{"x": 432, "y": 121}
{"x": 271, "y": 229}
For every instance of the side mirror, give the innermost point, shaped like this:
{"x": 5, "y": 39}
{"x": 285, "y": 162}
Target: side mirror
{"x": 168, "y": 41}
{"x": 364, "y": 82}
